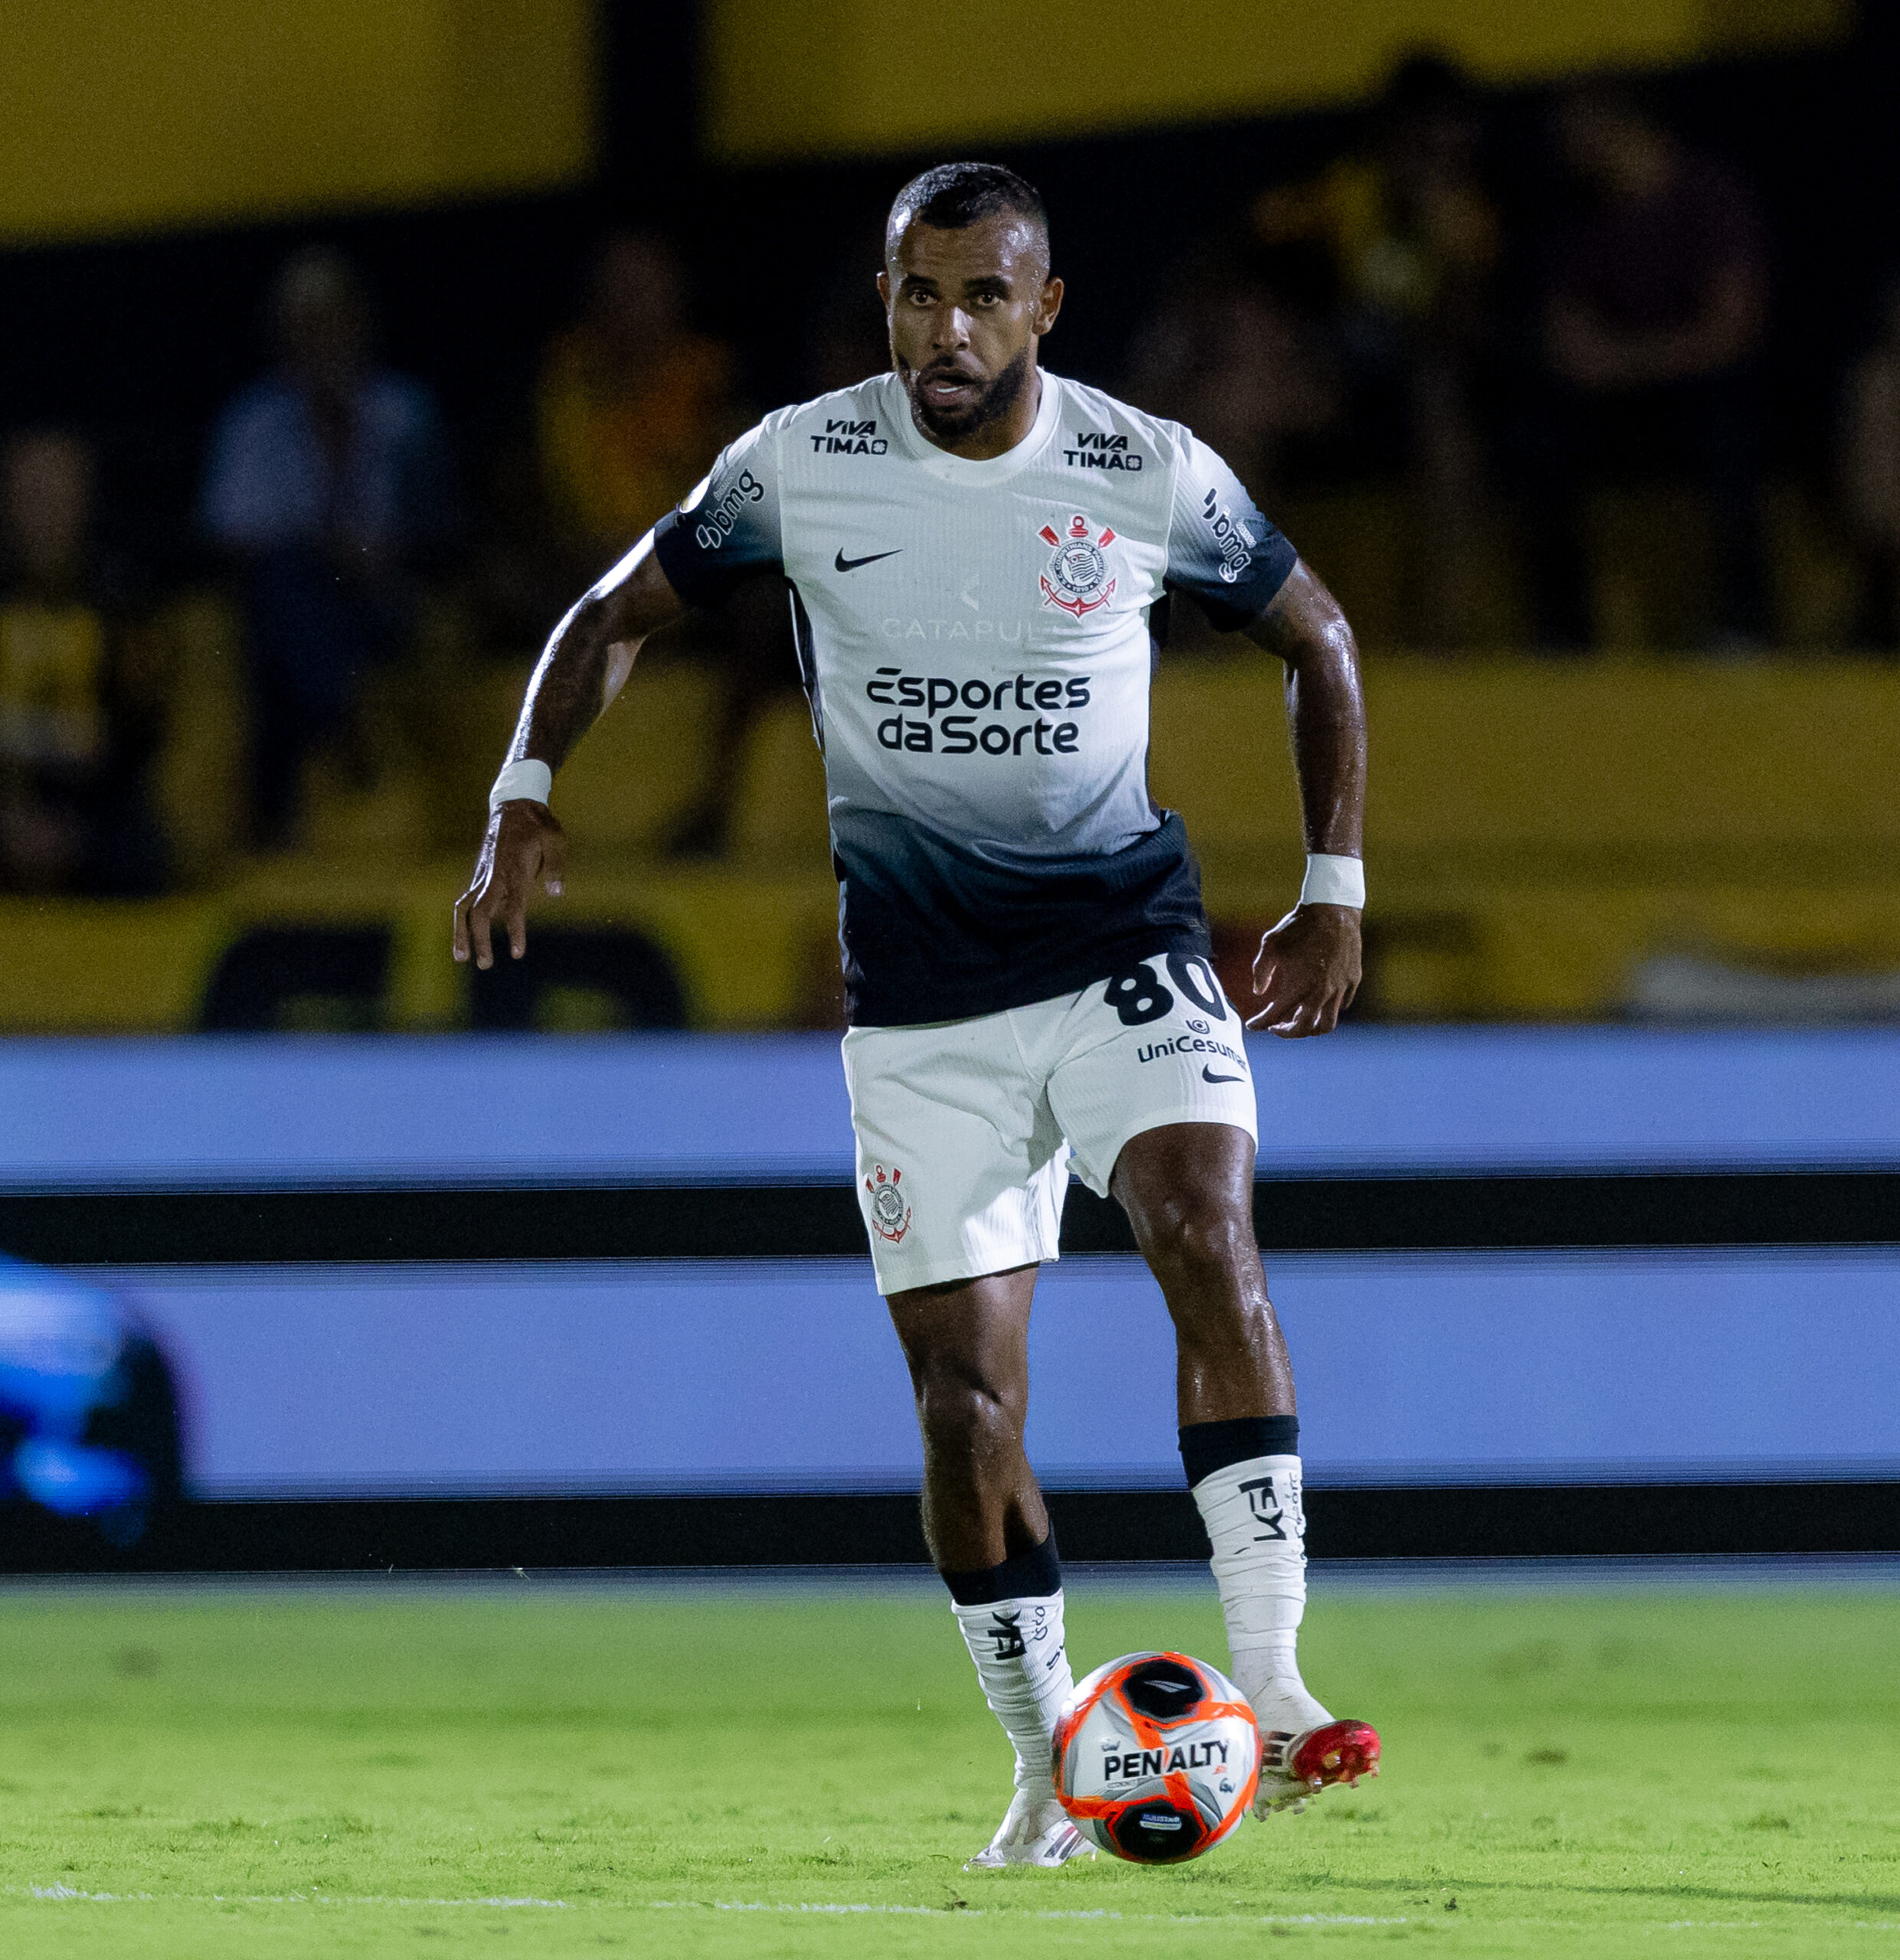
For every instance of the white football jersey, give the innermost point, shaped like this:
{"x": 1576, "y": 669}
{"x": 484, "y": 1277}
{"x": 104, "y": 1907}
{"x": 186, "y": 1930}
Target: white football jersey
{"x": 974, "y": 639}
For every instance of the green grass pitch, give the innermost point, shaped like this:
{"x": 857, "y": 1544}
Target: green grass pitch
{"x": 416, "y": 1769}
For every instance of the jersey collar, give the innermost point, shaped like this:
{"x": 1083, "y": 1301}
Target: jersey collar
{"x": 948, "y": 469}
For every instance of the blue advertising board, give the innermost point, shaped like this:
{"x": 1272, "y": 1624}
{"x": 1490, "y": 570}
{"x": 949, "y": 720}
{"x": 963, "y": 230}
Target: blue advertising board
{"x": 351, "y": 1377}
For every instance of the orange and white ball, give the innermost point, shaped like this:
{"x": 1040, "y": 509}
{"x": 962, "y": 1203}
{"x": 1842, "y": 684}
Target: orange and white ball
{"x": 1157, "y": 1757}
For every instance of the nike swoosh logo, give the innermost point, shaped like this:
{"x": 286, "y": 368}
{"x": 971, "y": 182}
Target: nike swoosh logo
{"x": 844, "y": 564}
{"x": 1208, "y": 1075}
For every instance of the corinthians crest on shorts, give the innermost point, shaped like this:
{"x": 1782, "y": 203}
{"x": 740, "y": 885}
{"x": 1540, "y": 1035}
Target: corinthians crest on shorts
{"x": 1076, "y": 576}
{"x": 890, "y": 1213}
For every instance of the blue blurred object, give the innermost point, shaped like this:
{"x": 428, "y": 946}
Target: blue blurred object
{"x": 88, "y": 1424}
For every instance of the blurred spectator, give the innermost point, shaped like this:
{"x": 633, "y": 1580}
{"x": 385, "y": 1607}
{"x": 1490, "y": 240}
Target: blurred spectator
{"x": 633, "y": 404}
{"x": 633, "y": 407}
{"x": 1239, "y": 364}
{"x": 1653, "y": 321}
{"x": 83, "y": 686}
{"x": 1413, "y": 237}
{"x": 328, "y": 482}
{"x": 1870, "y": 475}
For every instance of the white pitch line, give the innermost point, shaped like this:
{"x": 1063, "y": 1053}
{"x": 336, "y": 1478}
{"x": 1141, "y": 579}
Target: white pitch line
{"x": 59, "y": 1892}
{"x": 978, "y": 1911}
{"x": 74, "y": 1894}
{"x": 69, "y": 1894}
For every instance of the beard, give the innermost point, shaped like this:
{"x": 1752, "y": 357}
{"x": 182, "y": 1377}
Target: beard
{"x": 953, "y": 425}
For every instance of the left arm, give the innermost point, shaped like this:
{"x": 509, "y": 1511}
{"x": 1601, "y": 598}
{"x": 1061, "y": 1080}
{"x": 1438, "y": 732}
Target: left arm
{"x": 1307, "y": 970}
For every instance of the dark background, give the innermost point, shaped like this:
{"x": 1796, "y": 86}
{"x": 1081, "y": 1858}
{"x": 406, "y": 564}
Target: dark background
{"x": 142, "y": 341}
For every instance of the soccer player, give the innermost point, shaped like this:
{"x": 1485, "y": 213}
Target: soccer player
{"x": 977, "y": 553}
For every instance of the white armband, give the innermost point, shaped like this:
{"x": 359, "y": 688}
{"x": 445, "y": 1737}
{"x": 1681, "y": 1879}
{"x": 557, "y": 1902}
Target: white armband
{"x": 1333, "y": 881}
{"x": 529, "y": 782}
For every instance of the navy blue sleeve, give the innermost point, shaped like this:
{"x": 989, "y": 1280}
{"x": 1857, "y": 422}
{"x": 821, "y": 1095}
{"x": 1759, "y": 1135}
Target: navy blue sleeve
{"x": 728, "y": 527}
{"x": 1221, "y": 550}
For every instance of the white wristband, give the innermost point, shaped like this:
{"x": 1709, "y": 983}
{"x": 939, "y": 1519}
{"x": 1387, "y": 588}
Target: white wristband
{"x": 1334, "y": 881}
{"x": 529, "y": 782}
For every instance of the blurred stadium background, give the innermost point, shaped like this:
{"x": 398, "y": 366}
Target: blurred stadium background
{"x": 337, "y": 1255}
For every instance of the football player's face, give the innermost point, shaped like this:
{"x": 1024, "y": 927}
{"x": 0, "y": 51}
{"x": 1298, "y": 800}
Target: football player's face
{"x": 966, "y": 308}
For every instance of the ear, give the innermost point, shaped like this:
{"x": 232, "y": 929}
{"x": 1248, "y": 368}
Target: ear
{"x": 884, "y": 290}
{"x": 1047, "y": 306}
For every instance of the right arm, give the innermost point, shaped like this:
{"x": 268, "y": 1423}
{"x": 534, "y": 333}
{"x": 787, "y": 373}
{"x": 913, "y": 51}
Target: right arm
{"x": 588, "y": 658}
{"x": 726, "y": 531}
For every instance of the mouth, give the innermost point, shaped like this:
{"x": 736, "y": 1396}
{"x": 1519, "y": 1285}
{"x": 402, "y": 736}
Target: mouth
{"x": 948, "y": 388}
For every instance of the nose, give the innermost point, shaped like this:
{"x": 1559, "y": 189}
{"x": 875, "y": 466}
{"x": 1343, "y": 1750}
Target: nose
{"x": 950, "y": 328}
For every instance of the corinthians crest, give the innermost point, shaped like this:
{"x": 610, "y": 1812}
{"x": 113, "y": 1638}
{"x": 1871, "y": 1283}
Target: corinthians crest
{"x": 890, "y": 1213}
{"x": 1076, "y": 577}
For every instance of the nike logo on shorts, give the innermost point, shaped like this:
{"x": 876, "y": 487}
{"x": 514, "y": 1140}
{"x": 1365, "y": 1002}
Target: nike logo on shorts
{"x": 844, "y": 564}
{"x": 1208, "y": 1075}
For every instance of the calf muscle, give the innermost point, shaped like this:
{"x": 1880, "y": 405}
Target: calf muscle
{"x": 1188, "y": 1189}
{"x": 966, "y": 1345}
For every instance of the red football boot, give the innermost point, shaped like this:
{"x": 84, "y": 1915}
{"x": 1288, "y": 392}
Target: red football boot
{"x": 1293, "y": 1768}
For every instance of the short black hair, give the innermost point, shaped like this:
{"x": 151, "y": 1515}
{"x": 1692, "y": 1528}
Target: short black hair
{"x": 954, "y": 195}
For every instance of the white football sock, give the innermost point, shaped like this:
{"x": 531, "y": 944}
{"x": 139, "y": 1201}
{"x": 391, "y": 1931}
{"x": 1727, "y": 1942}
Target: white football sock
{"x": 1022, "y": 1660}
{"x": 1258, "y": 1530}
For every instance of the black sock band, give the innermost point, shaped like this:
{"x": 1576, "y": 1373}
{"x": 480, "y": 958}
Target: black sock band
{"x": 1030, "y": 1575}
{"x": 1207, "y": 1447}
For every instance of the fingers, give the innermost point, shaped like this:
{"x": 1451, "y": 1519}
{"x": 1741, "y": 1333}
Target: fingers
{"x": 515, "y": 856}
{"x": 481, "y": 929}
{"x": 1266, "y": 960}
{"x": 512, "y": 898}
{"x": 1313, "y": 1017}
{"x": 1292, "y": 1015}
{"x": 1284, "y": 1002}
{"x": 1302, "y": 991}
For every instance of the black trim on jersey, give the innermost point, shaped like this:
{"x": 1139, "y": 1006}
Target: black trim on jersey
{"x": 934, "y": 931}
{"x": 1230, "y": 608}
{"x": 805, "y": 647}
{"x": 696, "y": 575}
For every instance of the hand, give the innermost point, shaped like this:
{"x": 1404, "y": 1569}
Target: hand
{"x": 1308, "y": 968}
{"x": 525, "y": 842}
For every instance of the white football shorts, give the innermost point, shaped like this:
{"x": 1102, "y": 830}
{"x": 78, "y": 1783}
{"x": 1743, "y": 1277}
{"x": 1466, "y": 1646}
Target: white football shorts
{"x": 966, "y": 1128}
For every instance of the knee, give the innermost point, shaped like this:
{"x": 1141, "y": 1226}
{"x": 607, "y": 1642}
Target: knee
{"x": 964, "y": 1416}
{"x": 1198, "y": 1239}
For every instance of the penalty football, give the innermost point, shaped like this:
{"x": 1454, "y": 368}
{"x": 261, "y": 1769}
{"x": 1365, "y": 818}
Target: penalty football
{"x": 1157, "y": 1757}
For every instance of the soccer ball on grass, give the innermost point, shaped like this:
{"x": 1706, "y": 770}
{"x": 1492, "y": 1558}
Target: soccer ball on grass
{"x": 1157, "y": 1757}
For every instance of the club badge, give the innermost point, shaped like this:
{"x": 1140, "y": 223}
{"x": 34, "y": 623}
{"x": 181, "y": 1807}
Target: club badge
{"x": 1076, "y": 577}
{"x": 890, "y": 1213}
